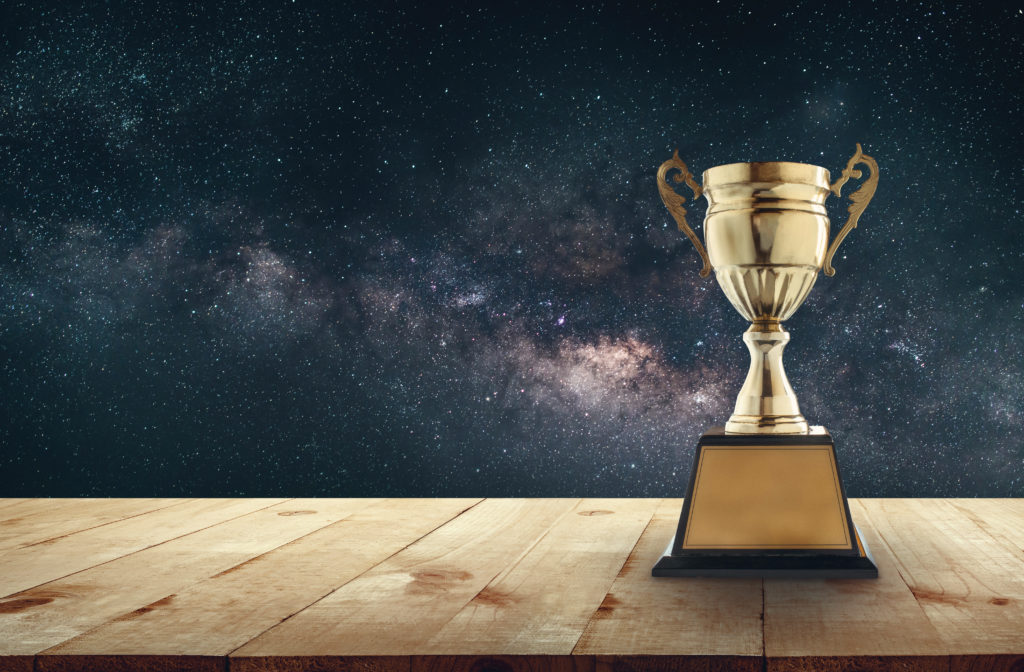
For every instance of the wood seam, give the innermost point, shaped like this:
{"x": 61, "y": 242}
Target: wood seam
{"x": 948, "y": 655}
{"x": 764, "y": 617}
{"x": 512, "y": 566}
{"x": 109, "y": 522}
{"x": 368, "y": 569}
{"x": 100, "y": 564}
{"x": 625, "y": 561}
{"x": 896, "y": 565}
{"x": 198, "y": 581}
{"x": 981, "y": 525}
{"x": 277, "y": 548}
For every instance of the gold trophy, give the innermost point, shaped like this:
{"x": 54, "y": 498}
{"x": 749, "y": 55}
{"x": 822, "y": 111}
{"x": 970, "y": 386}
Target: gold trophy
{"x": 765, "y": 497}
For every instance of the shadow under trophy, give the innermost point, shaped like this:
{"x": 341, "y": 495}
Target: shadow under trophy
{"x": 765, "y": 496}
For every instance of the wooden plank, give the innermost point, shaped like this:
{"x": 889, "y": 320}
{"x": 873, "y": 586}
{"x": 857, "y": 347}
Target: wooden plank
{"x": 34, "y": 505}
{"x": 507, "y": 663}
{"x": 47, "y": 615}
{"x": 24, "y": 568}
{"x": 322, "y": 664}
{"x": 678, "y": 663}
{"x": 16, "y": 663}
{"x": 969, "y": 584}
{"x": 540, "y": 604}
{"x": 1002, "y": 519}
{"x": 398, "y": 606}
{"x": 839, "y": 624}
{"x": 695, "y": 621}
{"x": 859, "y": 663}
{"x": 1000, "y": 663}
{"x": 121, "y": 664}
{"x": 37, "y": 521}
{"x": 216, "y": 615}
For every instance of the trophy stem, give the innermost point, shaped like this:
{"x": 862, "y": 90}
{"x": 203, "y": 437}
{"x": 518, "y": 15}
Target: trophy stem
{"x": 766, "y": 403}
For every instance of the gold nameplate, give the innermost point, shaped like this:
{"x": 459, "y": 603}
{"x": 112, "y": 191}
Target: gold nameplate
{"x": 767, "y": 497}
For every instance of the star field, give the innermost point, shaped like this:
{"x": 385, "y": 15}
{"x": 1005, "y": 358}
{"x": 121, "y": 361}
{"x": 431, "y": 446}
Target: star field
{"x": 351, "y": 249}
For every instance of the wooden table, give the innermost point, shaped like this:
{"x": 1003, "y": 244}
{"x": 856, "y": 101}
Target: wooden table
{"x": 486, "y": 585}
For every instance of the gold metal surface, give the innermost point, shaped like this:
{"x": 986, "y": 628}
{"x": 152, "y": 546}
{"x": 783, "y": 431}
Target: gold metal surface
{"x": 858, "y": 199}
{"x": 767, "y": 497}
{"x": 767, "y": 230}
{"x": 767, "y": 234}
{"x": 674, "y": 203}
{"x": 766, "y": 403}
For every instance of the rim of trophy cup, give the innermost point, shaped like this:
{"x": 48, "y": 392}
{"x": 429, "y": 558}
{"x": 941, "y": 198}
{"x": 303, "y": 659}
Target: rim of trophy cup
{"x": 766, "y": 171}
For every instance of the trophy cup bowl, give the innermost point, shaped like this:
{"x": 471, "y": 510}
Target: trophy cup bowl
{"x": 767, "y": 236}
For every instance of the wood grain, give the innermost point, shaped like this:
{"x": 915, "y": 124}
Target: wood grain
{"x": 968, "y": 583}
{"x": 24, "y": 568}
{"x": 991, "y": 663}
{"x": 109, "y": 663}
{"x": 399, "y": 605}
{"x": 16, "y": 663}
{"x": 1002, "y": 519}
{"x": 498, "y": 663}
{"x": 219, "y": 613}
{"x": 322, "y": 664}
{"x": 492, "y": 585}
{"x": 849, "y": 623}
{"x": 541, "y": 601}
{"x": 859, "y": 663}
{"x": 129, "y": 586}
{"x": 646, "y": 616}
{"x": 678, "y": 663}
{"x": 38, "y": 520}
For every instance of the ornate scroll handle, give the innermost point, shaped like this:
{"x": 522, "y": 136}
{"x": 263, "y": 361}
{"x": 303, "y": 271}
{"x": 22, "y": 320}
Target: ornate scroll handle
{"x": 674, "y": 202}
{"x": 858, "y": 199}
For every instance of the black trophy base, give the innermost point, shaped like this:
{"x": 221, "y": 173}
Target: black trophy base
{"x": 766, "y": 506}
{"x": 768, "y": 566}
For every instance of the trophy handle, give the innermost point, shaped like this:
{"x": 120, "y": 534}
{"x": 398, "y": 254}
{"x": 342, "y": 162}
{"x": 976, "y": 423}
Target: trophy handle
{"x": 674, "y": 203}
{"x": 858, "y": 200}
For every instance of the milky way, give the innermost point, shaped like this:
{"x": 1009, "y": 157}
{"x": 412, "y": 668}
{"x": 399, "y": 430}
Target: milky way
{"x": 358, "y": 250}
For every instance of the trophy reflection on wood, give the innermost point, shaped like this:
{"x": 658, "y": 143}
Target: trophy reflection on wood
{"x": 765, "y": 497}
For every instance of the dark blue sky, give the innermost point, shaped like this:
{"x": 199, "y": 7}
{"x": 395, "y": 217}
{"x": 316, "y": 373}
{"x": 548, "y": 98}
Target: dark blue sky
{"x": 360, "y": 249}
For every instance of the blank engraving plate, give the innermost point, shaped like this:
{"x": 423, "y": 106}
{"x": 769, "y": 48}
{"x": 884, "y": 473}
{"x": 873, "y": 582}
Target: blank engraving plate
{"x": 770, "y": 497}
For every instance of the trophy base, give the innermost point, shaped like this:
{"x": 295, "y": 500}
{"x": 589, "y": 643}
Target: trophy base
{"x": 766, "y": 505}
{"x": 768, "y": 566}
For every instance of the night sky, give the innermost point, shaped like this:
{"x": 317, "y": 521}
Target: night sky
{"x": 380, "y": 249}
